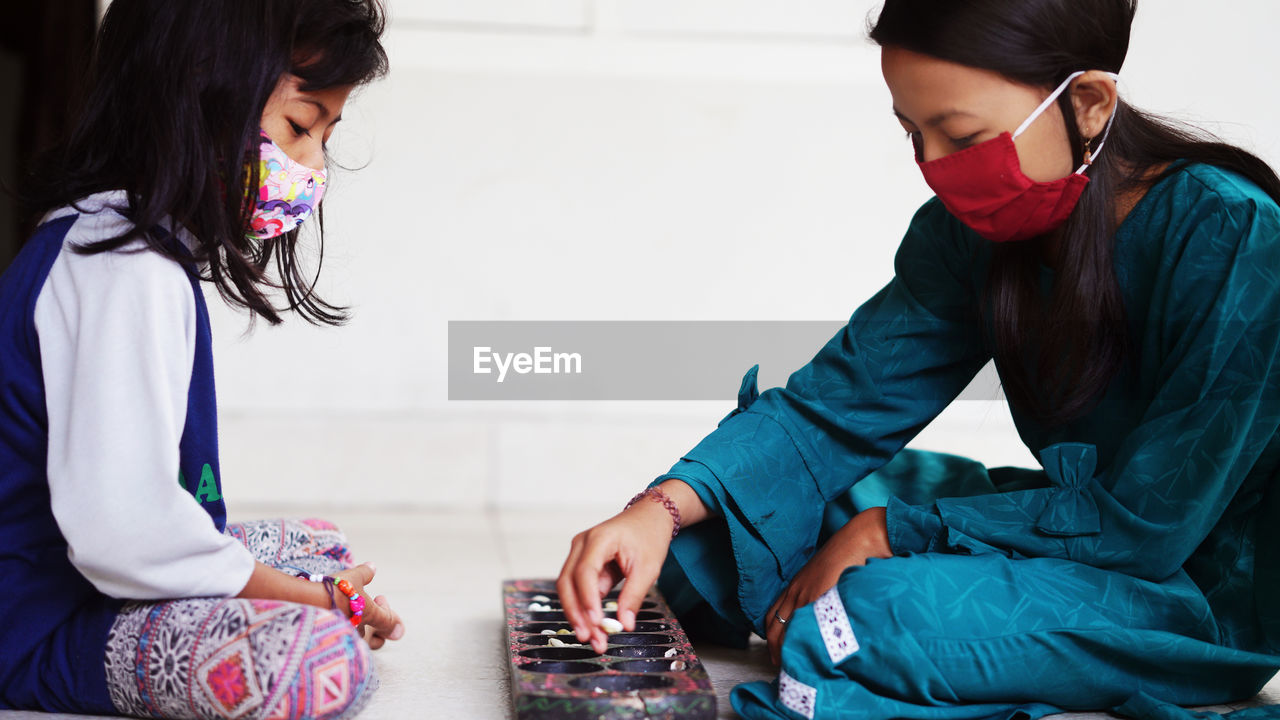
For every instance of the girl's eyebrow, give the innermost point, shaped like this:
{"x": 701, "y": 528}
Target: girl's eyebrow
{"x": 936, "y": 119}
{"x": 324, "y": 109}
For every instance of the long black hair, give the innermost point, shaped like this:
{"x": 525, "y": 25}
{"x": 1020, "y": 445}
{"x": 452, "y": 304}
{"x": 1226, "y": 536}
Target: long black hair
{"x": 171, "y": 112}
{"x": 1082, "y": 333}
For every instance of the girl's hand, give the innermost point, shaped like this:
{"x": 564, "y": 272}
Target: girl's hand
{"x": 632, "y": 545}
{"x": 380, "y": 623}
{"x": 865, "y": 536}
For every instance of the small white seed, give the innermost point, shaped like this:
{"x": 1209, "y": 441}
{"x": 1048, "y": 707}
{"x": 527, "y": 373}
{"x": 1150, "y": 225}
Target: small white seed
{"x": 541, "y": 598}
{"x": 556, "y": 642}
{"x": 671, "y": 653}
{"x": 611, "y": 605}
{"x": 610, "y": 625}
{"x": 548, "y": 632}
{"x": 677, "y": 665}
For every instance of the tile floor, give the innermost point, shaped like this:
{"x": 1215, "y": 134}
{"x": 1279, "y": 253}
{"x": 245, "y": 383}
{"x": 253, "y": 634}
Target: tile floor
{"x": 442, "y": 571}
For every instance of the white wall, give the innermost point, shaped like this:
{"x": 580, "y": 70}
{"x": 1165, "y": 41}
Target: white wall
{"x": 619, "y": 159}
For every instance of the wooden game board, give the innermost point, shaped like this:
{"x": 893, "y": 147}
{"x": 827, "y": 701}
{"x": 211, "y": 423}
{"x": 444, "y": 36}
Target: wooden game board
{"x": 650, "y": 673}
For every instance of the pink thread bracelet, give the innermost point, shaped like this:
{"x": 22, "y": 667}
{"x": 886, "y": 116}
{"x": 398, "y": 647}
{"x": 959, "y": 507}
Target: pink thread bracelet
{"x": 667, "y": 502}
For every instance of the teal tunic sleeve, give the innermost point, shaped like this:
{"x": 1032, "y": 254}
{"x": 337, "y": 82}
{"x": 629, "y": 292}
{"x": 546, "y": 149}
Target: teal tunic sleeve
{"x": 772, "y": 464}
{"x": 1211, "y": 348}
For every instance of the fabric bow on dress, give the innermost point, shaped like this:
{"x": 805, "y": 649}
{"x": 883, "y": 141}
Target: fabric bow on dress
{"x": 1071, "y": 509}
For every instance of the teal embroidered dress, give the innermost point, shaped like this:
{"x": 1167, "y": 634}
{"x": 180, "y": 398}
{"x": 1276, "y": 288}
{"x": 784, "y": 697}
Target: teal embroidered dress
{"x": 1137, "y": 571}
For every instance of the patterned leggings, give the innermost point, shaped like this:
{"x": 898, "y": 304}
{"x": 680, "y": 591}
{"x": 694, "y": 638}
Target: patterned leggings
{"x": 245, "y": 659}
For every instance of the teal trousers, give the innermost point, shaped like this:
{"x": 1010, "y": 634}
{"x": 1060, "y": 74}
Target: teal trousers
{"x": 974, "y": 633}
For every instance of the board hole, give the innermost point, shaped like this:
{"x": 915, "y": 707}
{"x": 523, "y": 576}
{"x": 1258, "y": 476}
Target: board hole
{"x": 546, "y": 639}
{"x": 633, "y": 639}
{"x": 560, "y": 653}
{"x": 570, "y": 667}
{"x": 536, "y": 628}
{"x": 639, "y": 651}
{"x": 645, "y": 666}
{"x": 528, "y": 596}
{"x": 542, "y": 616}
{"x": 622, "y": 683}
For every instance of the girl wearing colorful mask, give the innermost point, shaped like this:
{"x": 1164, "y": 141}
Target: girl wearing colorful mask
{"x": 199, "y": 149}
{"x": 1124, "y": 275}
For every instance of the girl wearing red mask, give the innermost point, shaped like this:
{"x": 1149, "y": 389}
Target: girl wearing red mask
{"x": 1124, "y": 275}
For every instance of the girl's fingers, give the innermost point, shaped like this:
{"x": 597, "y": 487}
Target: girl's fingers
{"x": 773, "y": 609}
{"x": 397, "y": 632}
{"x": 576, "y": 596}
{"x": 772, "y": 634}
{"x": 381, "y": 619}
{"x": 397, "y": 625}
{"x": 568, "y": 593}
{"x": 379, "y": 622}
{"x": 771, "y": 623}
{"x": 587, "y": 581}
{"x": 362, "y": 573}
{"x": 374, "y": 640}
{"x": 593, "y": 614}
{"x": 608, "y": 578}
{"x": 632, "y": 594}
{"x": 785, "y": 607}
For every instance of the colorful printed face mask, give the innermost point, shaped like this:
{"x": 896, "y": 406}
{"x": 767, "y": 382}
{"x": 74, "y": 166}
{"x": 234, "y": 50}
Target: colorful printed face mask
{"x": 288, "y": 192}
{"x": 985, "y": 188}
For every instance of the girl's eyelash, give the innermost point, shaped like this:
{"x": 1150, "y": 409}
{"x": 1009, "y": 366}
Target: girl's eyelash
{"x": 960, "y": 142}
{"x": 299, "y": 129}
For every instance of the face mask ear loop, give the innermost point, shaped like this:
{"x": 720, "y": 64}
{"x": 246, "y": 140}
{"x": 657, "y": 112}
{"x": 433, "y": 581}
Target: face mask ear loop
{"x": 1105, "y": 132}
{"x": 1045, "y": 105}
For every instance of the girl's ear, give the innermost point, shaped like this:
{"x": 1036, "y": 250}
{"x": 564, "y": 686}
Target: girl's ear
{"x": 1094, "y": 97}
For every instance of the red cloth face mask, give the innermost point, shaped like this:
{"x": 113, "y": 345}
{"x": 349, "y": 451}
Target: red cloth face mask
{"x": 985, "y": 188}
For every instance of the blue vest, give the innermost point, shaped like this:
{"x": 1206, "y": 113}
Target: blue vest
{"x": 55, "y": 626}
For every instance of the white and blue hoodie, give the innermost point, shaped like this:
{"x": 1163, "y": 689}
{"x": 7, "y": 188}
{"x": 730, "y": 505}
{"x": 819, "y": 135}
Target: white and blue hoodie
{"x": 109, "y": 480}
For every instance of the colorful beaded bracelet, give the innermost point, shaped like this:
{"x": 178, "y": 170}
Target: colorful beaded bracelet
{"x": 667, "y": 502}
{"x": 354, "y": 600}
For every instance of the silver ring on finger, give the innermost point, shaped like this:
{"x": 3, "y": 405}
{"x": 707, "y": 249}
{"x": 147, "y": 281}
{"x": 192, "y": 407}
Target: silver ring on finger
{"x": 778, "y": 617}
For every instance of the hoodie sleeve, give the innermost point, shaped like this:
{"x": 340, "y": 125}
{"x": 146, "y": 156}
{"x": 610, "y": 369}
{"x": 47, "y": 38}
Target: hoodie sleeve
{"x": 117, "y": 342}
